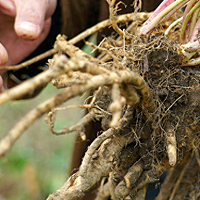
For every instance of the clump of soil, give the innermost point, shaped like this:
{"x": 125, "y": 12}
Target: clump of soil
{"x": 176, "y": 92}
{"x": 147, "y": 140}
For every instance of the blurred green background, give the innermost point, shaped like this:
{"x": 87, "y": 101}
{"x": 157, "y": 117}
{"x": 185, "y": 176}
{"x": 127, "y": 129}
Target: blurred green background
{"x": 39, "y": 162}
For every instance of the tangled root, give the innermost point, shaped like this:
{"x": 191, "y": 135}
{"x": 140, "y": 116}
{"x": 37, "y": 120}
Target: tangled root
{"x": 147, "y": 104}
{"x": 148, "y": 128}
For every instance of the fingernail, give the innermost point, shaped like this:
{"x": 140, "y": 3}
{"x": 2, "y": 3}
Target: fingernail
{"x": 29, "y": 27}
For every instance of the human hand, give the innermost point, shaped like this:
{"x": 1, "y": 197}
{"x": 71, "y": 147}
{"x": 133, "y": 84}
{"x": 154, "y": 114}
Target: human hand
{"x": 24, "y": 24}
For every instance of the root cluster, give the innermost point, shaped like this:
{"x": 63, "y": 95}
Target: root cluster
{"x": 147, "y": 104}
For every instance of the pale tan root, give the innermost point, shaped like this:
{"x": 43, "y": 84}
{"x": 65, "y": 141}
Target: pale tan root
{"x": 87, "y": 176}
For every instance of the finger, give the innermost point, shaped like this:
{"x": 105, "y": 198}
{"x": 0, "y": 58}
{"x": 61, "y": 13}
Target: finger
{"x": 50, "y": 8}
{"x": 30, "y": 17}
{"x": 3, "y": 61}
{"x": 24, "y": 48}
{"x": 8, "y": 7}
{"x": 1, "y": 85}
{"x": 3, "y": 55}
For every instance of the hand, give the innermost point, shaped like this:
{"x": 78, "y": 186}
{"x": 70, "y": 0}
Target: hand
{"x": 24, "y": 24}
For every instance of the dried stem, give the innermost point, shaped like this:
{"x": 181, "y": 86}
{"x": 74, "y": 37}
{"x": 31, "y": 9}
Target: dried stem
{"x": 181, "y": 176}
{"x": 171, "y": 178}
{"x": 31, "y": 61}
{"x": 197, "y": 156}
{"x": 116, "y": 106}
{"x": 29, "y": 86}
{"x": 188, "y": 187}
{"x": 113, "y": 19}
{"x": 79, "y": 127}
{"x": 101, "y": 25}
{"x": 71, "y": 50}
{"x": 116, "y": 62}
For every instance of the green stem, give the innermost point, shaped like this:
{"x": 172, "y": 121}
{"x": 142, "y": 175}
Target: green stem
{"x": 194, "y": 20}
{"x": 187, "y": 18}
{"x": 152, "y": 24}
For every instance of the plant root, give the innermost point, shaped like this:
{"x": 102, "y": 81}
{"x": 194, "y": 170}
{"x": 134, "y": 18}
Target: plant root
{"x": 148, "y": 105}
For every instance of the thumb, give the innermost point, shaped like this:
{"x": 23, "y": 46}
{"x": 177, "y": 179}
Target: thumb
{"x": 30, "y": 16}
{"x": 3, "y": 56}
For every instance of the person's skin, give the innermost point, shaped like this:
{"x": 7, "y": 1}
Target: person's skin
{"x": 24, "y": 24}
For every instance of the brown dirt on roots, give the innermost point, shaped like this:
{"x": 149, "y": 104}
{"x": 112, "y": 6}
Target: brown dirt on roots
{"x": 149, "y": 109}
{"x": 148, "y": 106}
{"x": 176, "y": 92}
